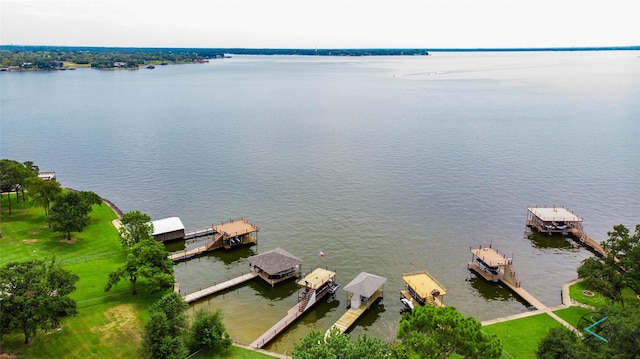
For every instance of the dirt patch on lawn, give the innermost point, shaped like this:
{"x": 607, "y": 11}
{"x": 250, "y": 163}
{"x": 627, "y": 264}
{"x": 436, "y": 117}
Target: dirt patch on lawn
{"x": 31, "y": 240}
{"x": 33, "y": 231}
{"x": 69, "y": 241}
{"x": 122, "y": 325}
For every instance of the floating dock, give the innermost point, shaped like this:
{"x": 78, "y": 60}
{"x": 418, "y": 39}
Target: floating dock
{"x": 560, "y": 220}
{"x": 275, "y": 266}
{"x": 204, "y": 292}
{"x": 420, "y": 289}
{"x": 225, "y": 235}
{"x": 317, "y": 285}
{"x": 496, "y": 267}
{"x": 363, "y": 291}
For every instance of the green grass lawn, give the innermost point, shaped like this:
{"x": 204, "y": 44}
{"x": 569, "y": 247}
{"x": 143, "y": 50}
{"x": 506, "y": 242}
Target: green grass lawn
{"x": 108, "y": 324}
{"x": 520, "y": 337}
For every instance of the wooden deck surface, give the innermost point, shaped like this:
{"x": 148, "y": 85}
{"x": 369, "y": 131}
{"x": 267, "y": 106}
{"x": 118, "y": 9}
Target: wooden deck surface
{"x": 235, "y": 228}
{"x": 192, "y": 297}
{"x": 293, "y": 314}
{"x": 350, "y": 317}
{"x": 583, "y": 238}
{"x": 517, "y": 290}
{"x": 176, "y": 256}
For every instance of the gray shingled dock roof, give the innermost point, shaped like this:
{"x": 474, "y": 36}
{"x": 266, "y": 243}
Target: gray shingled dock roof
{"x": 365, "y": 284}
{"x": 274, "y": 261}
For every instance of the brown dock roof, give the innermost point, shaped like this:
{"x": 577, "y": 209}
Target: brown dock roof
{"x": 275, "y": 261}
{"x": 235, "y": 228}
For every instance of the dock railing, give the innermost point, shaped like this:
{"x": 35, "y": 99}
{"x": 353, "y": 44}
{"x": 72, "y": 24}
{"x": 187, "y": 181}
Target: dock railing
{"x": 213, "y": 283}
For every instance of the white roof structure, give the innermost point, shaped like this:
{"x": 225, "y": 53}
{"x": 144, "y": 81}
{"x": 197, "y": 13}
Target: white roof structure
{"x": 365, "y": 284}
{"x": 555, "y": 214}
{"x": 167, "y": 225}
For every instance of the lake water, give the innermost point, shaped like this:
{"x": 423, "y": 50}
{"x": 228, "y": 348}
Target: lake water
{"x": 386, "y": 164}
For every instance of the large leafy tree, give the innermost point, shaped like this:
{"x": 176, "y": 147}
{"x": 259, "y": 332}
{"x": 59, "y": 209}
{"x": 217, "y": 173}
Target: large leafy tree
{"x": 440, "y": 332}
{"x": 208, "y": 331}
{"x": 136, "y": 226}
{"x": 622, "y": 333}
{"x": 13, "y": 175}
{"x": 34, "y": 294}
{"x": 162, "y": 337}
{"x": 618, "y": 269}
{"x": 148, "y": 259}
{"x": 339, "y": 346}
{"x": 43, "y": 192}
{"x": 69, "y": 213}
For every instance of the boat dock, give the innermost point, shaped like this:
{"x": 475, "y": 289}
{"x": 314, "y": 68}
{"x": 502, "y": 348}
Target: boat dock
{"x": 560, "y": 220}
{"x": 347, "y": 319}
{"x": 420, "y": 289}
{"x": 225, "y": 235}
{"x": 204, "y": 292}
{"x": 316, "y": 286}
{"x": 495, "y": 266}
{"x": 363, "y": 291}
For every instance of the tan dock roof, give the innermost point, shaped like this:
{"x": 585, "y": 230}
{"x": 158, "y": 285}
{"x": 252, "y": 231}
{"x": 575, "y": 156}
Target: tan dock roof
{"x": 275, "y": 261}
{"x": 555, "y": 214}
{"x": 423, "y": 283}
{"x": 235, "y": 228}
{"x": 316, "y": 278}
{"x": 490, "y": 256}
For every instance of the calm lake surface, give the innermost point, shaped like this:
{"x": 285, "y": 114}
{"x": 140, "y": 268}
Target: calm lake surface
{"x": 386, "y": 164}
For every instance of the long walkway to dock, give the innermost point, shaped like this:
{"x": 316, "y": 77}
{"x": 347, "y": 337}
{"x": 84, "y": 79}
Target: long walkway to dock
{"x": 281, "y": 325}
{"x": 178, "y": 256}
{"x": 192, "y": 297}
{"x": 584, "y": 239}
{"x": 199, "y": 233}
{"x": 347, "y": 319}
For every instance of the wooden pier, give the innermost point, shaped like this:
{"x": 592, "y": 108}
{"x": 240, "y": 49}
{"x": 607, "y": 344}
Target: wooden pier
{"x": 347, "y": 319}
{"x": 363, "y": 291}
{"x": 201, "y": 293}
{"x": 317, "y": 285}
{"x": 495, "y": 266}
{"x": 560, "y": 220}
{"x": 420, "y": 289}
{"x": 199, "y": 233}
{"x": 225, "y": 235}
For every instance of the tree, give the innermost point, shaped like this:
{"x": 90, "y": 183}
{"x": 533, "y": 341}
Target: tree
{"x": 618, "y": 269}
{"x": 208, "y": 331}
{"x": 69, "y": 213}
{"x": 43, "y": 192}
{"x": 439, "y": 332}
{"x": 11, "y": 176}
{"x": 559, "y": 343}
{"x": 162, "y": 335}
{"x": 136, "y": 227}
{"x": 35, "y": 295}
{"x": 148, "y": 259}
{"x": 338, "y": 345}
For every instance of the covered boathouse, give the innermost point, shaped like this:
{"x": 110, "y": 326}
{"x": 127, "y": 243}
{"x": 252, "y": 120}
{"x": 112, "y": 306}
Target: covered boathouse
{"x": 420, "y": 289}
{"x": 168, "y": 229}
{"x": 362, "y": 288}
{"x": 275, "y": 266}
{"x": 553, "y": 220}
{"x": 233, "y": 234}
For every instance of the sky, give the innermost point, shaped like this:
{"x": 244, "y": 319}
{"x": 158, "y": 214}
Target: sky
{"x": 321, "y": 23}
